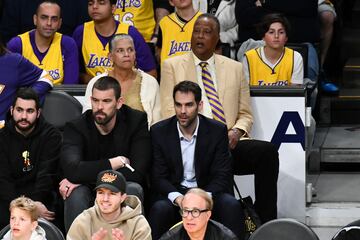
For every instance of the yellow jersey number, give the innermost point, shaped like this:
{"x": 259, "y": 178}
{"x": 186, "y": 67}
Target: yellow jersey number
{"x": 126, "y": 18}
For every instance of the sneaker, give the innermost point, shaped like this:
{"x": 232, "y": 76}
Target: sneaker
{"x": 329, "y": 87}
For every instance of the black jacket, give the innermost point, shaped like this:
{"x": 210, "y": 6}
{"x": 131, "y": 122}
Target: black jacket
{"x": 212, "y": 162}
{"x": 214, "y": 231}
{"x": 43, "y": 145}
{"x": 82, "y": 159}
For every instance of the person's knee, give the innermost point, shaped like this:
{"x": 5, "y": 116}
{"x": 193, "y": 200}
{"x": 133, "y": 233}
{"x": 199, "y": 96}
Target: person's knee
{"x": 271, "y": 153}
{"x": 162, "y": 207}
{"x": 225, "y": 201}
{"x": 80, "y": 199}
{"x": 269, "y": 162}
{"x": 327, "y": 18}
{"x": 81, "y": 193}
{"x": 227, "y": 207}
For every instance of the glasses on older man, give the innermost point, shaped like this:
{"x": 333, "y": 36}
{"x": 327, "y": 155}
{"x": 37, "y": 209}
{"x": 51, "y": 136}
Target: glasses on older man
{"x": 194, "y": 212}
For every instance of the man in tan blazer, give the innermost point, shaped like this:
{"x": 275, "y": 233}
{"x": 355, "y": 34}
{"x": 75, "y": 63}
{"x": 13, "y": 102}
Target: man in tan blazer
{"x": 250, "y": 156}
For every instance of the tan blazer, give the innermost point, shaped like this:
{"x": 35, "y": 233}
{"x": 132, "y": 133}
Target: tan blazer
{"x": 233, "y": 90}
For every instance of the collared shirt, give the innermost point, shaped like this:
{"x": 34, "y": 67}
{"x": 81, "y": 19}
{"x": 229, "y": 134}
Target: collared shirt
{"x": 211, "y": 67}
{"x": 187, "y": 154}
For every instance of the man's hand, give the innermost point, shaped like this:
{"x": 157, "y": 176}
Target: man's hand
{"x": 234, "y": 136}
{"x": 44, "y": 212}
{"x": 178, "y": 200}
{"x": 99, "y": 235}
{"x": 117, "y": 234}
{"x": 66, "y": 187}
{"x": 118, "y": 162}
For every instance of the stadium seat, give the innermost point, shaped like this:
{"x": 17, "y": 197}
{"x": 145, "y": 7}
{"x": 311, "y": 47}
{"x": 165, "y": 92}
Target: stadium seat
{"x": 284, "y": 229}
{"x": 59, "y": 108}
{"x": 301, "y": 48}
{"x": 349, "y": 232}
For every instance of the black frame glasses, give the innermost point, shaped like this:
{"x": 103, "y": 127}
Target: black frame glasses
{"x": 195, "y": 213}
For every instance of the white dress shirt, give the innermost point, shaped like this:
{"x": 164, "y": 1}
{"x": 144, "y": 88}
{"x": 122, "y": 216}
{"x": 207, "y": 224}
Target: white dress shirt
{"x": 188, "y": 157}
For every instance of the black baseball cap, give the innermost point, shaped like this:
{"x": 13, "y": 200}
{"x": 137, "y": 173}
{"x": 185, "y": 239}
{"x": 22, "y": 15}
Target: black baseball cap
{"x": 112, "y": 180}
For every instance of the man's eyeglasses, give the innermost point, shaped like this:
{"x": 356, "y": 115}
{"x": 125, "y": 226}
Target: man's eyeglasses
{"x": 194, "y": 212}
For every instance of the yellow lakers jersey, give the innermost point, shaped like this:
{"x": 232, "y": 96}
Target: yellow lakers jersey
{"x": 261, "y": 74}
{"x": 137, "y": 13}
{"x": 94, "y": 53}
{"x": 53, "y": 60}
{"x": 176, "y": 35}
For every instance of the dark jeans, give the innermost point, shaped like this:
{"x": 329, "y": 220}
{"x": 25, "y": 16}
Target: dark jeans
{"x": 261, "y": 159}
{"x": 227, "y": 210}
{"x": 83, "y": 198}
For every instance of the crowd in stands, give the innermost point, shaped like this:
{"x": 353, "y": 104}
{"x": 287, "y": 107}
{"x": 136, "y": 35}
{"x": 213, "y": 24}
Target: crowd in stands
{"x": 166, "y": 117}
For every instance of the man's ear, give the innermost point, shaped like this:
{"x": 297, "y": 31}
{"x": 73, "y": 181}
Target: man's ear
{"x": 171, "y": 3}
{"x": 34, "y": 19}
{"x": 113, "y": 8}
{"x": 119, "y": 102}
{"x": 34, "y": 224}
{"x": 123, "y": 197}
{"x": 208, "y": 215}
{"x": 39, "y": 112}
{"x": 60, "y": 23}
{"x": 200, "y": 106}
{"x": 110, "y": 57}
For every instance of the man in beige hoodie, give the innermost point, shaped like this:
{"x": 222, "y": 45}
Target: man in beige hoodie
{"x": 115, "y": 215}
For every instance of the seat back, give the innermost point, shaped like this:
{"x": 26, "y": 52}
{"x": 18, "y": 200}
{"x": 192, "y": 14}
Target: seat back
{"x": 60, "y": 107}
{"x": 284, "y": 229}
{"x": 226, "y": 49}
{"x": 349, "y": 232}
{"x": 301, "y": 48}
{"x": 52, "y": 232}
{"x": 4, "y": 231}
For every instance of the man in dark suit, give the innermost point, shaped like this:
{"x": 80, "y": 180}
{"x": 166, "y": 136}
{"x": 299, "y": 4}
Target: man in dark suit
{"x": 232, "y": 92}
{"x": 190, "y": 151}
{"x": 110, "y": 136}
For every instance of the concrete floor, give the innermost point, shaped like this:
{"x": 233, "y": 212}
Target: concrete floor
{"x": 335, "y": 203}
{"x": 325, "y": 233}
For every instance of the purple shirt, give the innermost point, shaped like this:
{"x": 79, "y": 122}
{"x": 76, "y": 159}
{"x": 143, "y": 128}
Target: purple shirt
{"x": 16, "y": 72}
{"x": 144, "y": 58}
{"x": 69, "y": 53}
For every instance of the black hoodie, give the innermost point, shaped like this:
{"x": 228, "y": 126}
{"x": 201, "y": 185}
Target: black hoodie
{"x": 34, "y": 178}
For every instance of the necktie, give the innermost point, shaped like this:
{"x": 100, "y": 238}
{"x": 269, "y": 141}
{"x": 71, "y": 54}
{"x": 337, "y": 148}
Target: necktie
{"x": 216, "y": 107}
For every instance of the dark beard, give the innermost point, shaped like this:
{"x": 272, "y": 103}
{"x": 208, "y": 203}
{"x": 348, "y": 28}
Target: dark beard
{"x": 24, "y": 129}
{"x": 103, "y": 121}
